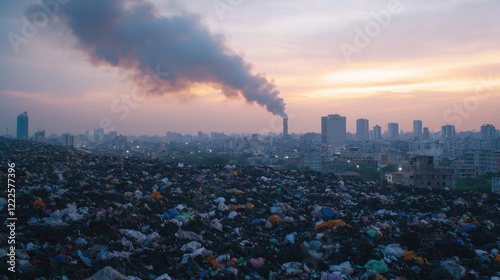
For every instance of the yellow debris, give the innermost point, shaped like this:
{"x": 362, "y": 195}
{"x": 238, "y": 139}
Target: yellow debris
{"x": 156, "y": 195}
{"x": 331, "y": 224}
{"x": 236, "y": 191}
{"x": 274, "y": 219}
{"x": 38, "y": 203}
{"x": 233, "y": 207}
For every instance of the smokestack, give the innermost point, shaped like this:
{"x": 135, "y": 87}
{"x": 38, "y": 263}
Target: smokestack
{"x": 285, "y": 126}
{"x": 171, "y": 52}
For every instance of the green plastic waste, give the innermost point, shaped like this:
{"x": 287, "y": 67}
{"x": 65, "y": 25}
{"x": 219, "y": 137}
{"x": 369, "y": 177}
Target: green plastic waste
{"x": 372, "y": 233}
{"x": 376, "y": 266}
{"x": 241, "y": 262}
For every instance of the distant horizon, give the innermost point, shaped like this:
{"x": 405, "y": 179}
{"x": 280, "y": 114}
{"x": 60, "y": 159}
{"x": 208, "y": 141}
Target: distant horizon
{"x": 242, "y": 66}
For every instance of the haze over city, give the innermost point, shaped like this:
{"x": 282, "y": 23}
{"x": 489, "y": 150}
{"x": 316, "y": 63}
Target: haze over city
{"x": 245, "y": 64}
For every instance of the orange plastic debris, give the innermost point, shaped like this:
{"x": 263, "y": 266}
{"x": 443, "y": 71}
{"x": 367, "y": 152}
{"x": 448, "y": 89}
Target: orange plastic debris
{"x": 38, "y": 203}
{"x": 331, "y": 224}
{"x": 497, "y": 258}
{"x": 156, "y": 195}
{"x": 233, "y": 207}
{"x": 408, "y": 256}
{"x": 249, "y": 205}
{"x": 108, "y": 187}
{"x": 236, "y": 191}
{"x": 234, "y": 173}
{"x": 274, "y": 219}
{"x": 213, "y": 262}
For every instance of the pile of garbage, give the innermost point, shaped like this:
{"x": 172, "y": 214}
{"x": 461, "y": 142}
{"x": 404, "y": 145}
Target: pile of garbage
{"x": 89, "y": 216}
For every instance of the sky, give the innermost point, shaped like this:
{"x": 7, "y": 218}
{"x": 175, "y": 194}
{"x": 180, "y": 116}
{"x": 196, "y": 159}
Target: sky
{"x": 238, "y": 66}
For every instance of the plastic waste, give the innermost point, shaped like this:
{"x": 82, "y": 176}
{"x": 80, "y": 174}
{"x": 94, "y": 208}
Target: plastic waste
{"x": 155, "y": 195}
{"x": 456, "y": 270}
{"x": 467, "y": 229}
{"x": 164, "y": 277}
{"x": 378, "y": 267}
{"x": 331, "y": 224}
{"x": 345, "y": 268}
{"x": 38, "y": 203}
{"x": 274, "y": 219}
{"x": 108, "y": 273}
{"x": 84, "y": 259}
{"x": 394, "y": 250}
{"x": 258, "y": 262}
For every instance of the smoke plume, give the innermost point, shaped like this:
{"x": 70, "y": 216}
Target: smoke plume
{"x": 131, "y": 35}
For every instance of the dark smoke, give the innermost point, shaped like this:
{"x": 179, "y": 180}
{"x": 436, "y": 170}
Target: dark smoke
{"x": 131, "y": 35}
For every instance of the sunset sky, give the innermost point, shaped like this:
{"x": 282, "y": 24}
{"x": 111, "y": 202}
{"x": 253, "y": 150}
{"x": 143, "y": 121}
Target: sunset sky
{"x": 437, "y": 61}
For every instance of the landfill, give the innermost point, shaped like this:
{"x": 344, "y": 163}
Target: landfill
{"x": 90, "y": 216}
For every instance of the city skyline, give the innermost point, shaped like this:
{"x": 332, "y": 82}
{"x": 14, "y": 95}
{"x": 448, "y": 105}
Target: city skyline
{"x": 391, "y": 129}
{"x": 391, "y": 61}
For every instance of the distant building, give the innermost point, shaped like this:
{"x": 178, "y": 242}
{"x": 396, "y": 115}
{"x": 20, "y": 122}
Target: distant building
{"x": 40, "y": 136}
{"x": 22, "y": 126}
{"x": 417, "y": 129}
{"x": 67, "y": 140}
{"x": 448, "y": 131}
{"x": 485, "y": 161}
{"x": 333, "y": 129}
{"x": 426, "y": 135}
{"x": 377, "y": 133}
{"x": 393, "y": 130}
{"x": 421, "y": 172}
{"x": 99, "y": 134}
{"x": 120, "y": 142}
{"x": 464, "y": 170}
{"x": 488, "y": 133}
{"x": 362, "y": 129}
{"x": 495, "y": 185}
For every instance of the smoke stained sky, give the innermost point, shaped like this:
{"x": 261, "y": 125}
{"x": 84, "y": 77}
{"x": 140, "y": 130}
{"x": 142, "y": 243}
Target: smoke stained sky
{"x": 430, "y": 57}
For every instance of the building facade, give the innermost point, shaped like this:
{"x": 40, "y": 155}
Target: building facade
{"x": 22, "y": 126}
{"x": 393, "y": 130}
{"x": 417, "y": 129}
{"x": 362, "y": 130}
{"x": 333, "y": 129}
{"x": 421, "y": 172}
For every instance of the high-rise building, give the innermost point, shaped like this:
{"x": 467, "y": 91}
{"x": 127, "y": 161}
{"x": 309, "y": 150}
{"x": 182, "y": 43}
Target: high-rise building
{"x": 22, "y": 126}
{"x": 488, "y": 132}
{"x": 426, "y": 135}
{"x": 333, "y": 129}
{"x": 377, "y": 133}
{"x": 393, "y": 130}
{"x": 417, "y": 129}
{"x": 362, "y": 129}
{"x": 448, "y": 131}
{"x": 285, "y": 127}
